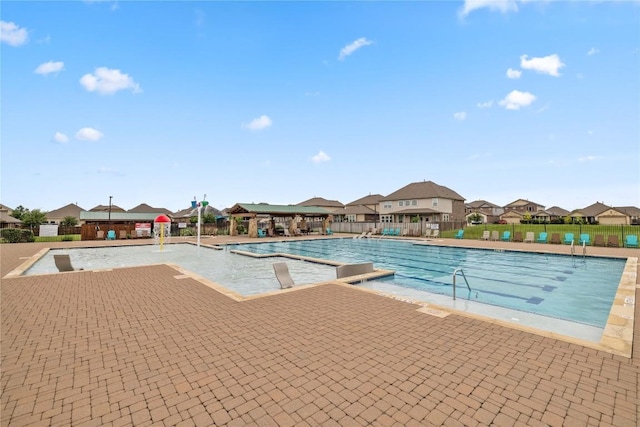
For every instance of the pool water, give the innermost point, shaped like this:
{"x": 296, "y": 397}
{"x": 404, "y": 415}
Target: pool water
{"x": 564, "y": 287}
{"x": 243, "y": 275}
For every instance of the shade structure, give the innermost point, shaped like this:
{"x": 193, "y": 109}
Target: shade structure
{"x": 162, "y": 218}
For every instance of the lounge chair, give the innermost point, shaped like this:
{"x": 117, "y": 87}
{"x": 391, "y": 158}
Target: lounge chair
{"x": 495, "y": 235}
{"x": 568, "y": 238}
{"x": 517, "y": 236}
{"x": 631, "y": 241}
{"x": 361, "y": 235}
{"x": 347, "y": 270}
{"x": 506, "y": 236}
{"x": 329, "y": 232}
{"x": 297, "y": 232}
{"x": 286, "y": 232}
{"x": 100, "y": 234}
{"x": 585, "y": 239}
{"x": 486, "y": 234}
{"x": 542, "y": 237}
{"x": 598, "y": 240}
{"x": 385, "y": 231}
{"x": 63, "y": 262}
{"x": 529, "y": 237}
{"x": 111, "y": 235}
{"x": 261, "y": 233}
{"x": 282, "y": 274}
{"x": 123, "y": 234}
{"x": 555, "y": 238}
{"x": 427, "y": 232}
{"x": 612, "y": 241}
{"x": 459, "y": 234}
{"x": 368, "y": 235}
{"x": 435, "y": 233}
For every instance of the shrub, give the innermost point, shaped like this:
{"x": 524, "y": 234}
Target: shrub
{"x": 17, "y": 235}
{"x": 67, "y": 238}
{"x": 186, "y": 232}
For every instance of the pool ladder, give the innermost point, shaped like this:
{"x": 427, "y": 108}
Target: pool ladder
{"x": 584, "y": 249}
{"x": 455, "y": 273}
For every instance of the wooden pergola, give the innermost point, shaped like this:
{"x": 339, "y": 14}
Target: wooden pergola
{"x": 252, "y": 211}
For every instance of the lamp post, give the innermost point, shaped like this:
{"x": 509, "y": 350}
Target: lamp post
{"x": 110, "y": 197}
{"x": 199, "y": 205}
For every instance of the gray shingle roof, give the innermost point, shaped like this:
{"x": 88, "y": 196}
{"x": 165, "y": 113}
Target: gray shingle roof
{"x": 319, "y": 201}
{"x": 371, "y": 199}
{"x": 423, "y": 190}
{"x": 69, "y": 210}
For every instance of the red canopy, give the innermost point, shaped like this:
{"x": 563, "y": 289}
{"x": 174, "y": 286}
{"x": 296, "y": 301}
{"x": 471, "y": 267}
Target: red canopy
{"x": 162, "y": 218}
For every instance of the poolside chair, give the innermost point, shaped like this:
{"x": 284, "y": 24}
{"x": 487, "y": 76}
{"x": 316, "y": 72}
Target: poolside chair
{"x": 427, "y": 232}
{"x": 612, "y": 241}
{"x": 297, "y": 232}
{"x": 63, "y": 262}
{"x": 506, "y": 236}
{"x": 435, "y": 233}
{"x": 529, "y": 237}
{"x": 568, "y": 238}
{"x": 368, "y": 235}
{"x": 542, "y": 237}
{"x": 495, "y": 235}
{"x": 555, "y": 238}
{"x": 360, "y": 236}
{"x": 261, "y": 233}
{"x": 329, "y": 232}
{"x": 286, "y": 232}
{"x": 111, "y": 235}
{"x": 282, "y": 274}
{"x": 459, "y": 234}
{"x": 517, "y": 236}
{"x": 486, "y": 234}
{"x": 347, "y": 270}
{"x": 123, "y": 234}
{"x": 631, "y": 241}
{"x": 598, "y": 240}
{"x": 100, "y": 234}
{"x": 585, "y": 239}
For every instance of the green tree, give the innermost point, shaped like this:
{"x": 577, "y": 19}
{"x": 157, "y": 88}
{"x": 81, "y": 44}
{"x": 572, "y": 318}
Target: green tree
{"x": 19, "y": 212}
{"x": 69, "y": 221}
{"x": 475, "y": 217}
{"x": 34, "y": 218}
{"x": 567, "y": 219}
{"x": 208, "y": 218}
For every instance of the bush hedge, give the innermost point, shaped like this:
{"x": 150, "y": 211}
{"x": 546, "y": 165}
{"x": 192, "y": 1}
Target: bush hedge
{"x": 17, "y": 235}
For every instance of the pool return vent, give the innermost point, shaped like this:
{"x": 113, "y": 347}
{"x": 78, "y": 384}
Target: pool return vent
{"x": 455, "y": 273}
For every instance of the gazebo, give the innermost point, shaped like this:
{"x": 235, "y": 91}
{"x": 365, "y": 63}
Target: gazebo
{"x": 253, "y": 211}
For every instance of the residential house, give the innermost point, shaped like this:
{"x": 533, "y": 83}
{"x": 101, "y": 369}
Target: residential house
{"x": 489, "y": 212}
{"x": 143, "y": 207}
{"x": 364, "y": 209}
{"x": 512, "y": 217}
{"x": 588, "y": 214}
{"x": 633, "y": 213}
{"x": 106, "y": 208}
{"x": 58, "y": 215}
{"x": 524, "y": 206}
{"x": 185, "y": 215}
{"x": 426, "y": 201}
{"x": 556, "y": 213}
{"x": 333, "y": 206}
{"x": 6, "y": 220}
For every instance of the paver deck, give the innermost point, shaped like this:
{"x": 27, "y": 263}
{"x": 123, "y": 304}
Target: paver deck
{"x": 142, "y": 346}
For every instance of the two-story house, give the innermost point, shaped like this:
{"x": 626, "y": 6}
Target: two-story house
{"x": 489, "y": 212}
{"x": 422, "y": 201}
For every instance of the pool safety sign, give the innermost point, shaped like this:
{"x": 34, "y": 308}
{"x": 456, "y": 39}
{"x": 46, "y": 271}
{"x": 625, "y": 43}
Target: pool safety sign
{"x": 143, "y": 228}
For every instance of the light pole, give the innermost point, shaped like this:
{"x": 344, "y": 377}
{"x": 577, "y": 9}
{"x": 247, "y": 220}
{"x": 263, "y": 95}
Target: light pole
{"x": 199, "y": 205}
{"x": 110, "y": 197}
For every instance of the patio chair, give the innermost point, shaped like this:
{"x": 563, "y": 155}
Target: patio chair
{"x": 612, "y": 241}
{"x": 100, "y": 234}
{"x": 542, "y": 237}
{"x": 63, "y": 263}
{"x": 568, "y": 238}
{"x": 485, "y": 235}
{"x": 286, "y": 232}
{"x": 360, "y": 236}
{"x": 585, "y": 239}
{"x": 598, "y": 240}
{"x": 329, "y": 232}
{"x": 368, "y": 235}
{"x": 347, "y": 270}
{"x": 436, "y": 233}
{"x": 555, "y": 238}
{"x": 529, "y": 237}
{"x": 282, "y": 274}
{"x": 111, "y": 235}
{"x": 427, "y": 232}
{"x": 495, "y": 235}
{"x": 123, "y": 234}
{"x": 517, "y": 236}
{"x": 506, "y": 236}
{"x": 631, "y": 241}
{"x": 261, "y": 233}
{"x": 459, "y": 234}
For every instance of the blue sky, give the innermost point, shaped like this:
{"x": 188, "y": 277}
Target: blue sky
{"x": 278, "y": 102}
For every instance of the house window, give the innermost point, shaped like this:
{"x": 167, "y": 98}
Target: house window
{"x": 387, "y": 205}
{"x": 386, "y": 218}
{"x": 445, "y": 217}
{"x": 407, "y": 202}
{"x": 351, "y": 218}
{"x": 434, "y": 202}
{"x": 414, "y": 203}
{"x": 400, "y": 203}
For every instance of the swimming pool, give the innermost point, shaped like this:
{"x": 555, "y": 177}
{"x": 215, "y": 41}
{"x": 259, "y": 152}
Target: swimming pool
{"x": 243, "y": 275}
{"x": 562, "y": 287}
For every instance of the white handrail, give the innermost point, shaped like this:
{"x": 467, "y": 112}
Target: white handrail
{"x": 455, "y": 272}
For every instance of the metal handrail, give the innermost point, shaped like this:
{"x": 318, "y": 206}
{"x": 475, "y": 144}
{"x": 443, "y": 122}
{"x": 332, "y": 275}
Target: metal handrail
{"x": 573, "y": 249}
{"x": 455, "y": 272}
{"x": 584, "y": 249}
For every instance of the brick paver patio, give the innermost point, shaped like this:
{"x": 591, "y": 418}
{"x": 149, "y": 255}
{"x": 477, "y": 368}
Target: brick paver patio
{"x": 138, "y": 346}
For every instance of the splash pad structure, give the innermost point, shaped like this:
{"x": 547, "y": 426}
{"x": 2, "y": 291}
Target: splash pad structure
{"x": 161, "y": 228}
{"x": 199, "y": 205}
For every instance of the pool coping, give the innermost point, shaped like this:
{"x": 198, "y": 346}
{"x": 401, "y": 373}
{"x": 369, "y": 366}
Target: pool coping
{"x": 617, "y": 336}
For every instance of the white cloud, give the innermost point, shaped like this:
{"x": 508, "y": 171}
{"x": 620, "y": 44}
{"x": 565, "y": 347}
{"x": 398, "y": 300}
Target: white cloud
{"x": 49, "y": 67}
{"x": 503, "y": 6}
{"x": 593, "y": 51}
{"x": 350, "y": 48}
{"x": 487, "y": 104}
{"x": 320, "y": 157}
{"x": 460, "y": 115}
{"x": 316, "y": 93}
{"x": 588, "y": 159}
{"x": 260, "y": 123}
{"x": 108, "y": 81}
{"x": 61, "y": 138}
{"x": 545, "y": 65}
{"x": 516, "y": 100}
{"x": 13, "y": 35}
{"x": 89, "y": 134}
{"x": 513, "y": 74}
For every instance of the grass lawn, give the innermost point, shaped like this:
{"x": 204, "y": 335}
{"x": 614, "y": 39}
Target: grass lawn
{"x": 64, "y": 238}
